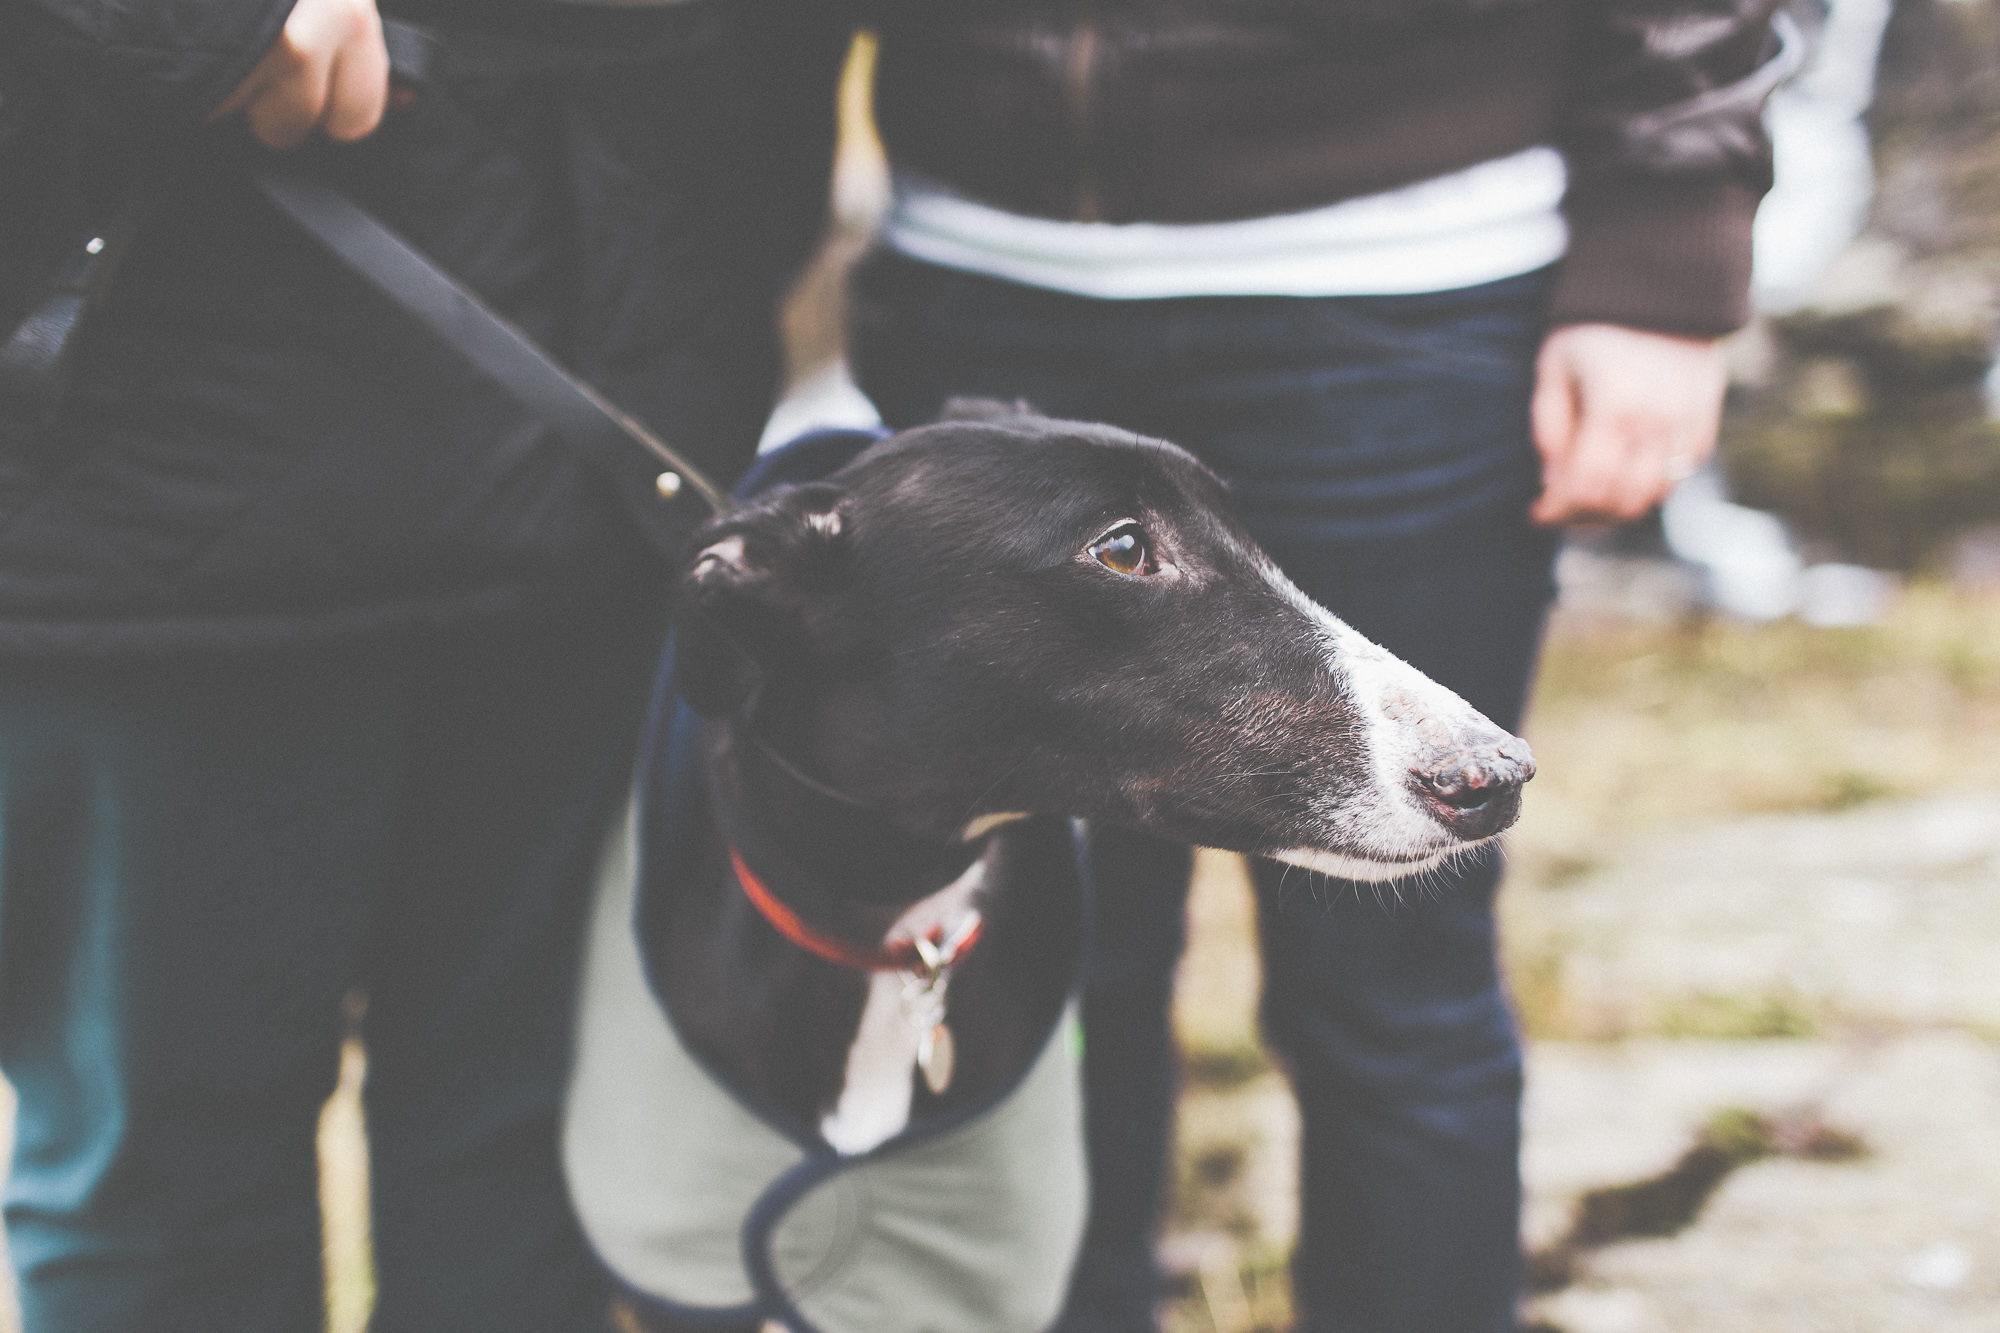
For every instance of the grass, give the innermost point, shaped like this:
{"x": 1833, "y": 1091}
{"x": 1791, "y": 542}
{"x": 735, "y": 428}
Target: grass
{"x": 1233, "y": 1292}
{"x": 1737, "y": 1017}
{"x": 1638, "y": 726}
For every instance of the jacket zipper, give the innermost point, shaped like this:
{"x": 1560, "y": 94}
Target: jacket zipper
{"x": 1079, "y": 87}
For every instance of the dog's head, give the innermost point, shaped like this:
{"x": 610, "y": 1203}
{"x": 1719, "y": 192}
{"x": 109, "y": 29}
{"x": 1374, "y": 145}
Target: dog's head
{"x": 1016, "y": 614}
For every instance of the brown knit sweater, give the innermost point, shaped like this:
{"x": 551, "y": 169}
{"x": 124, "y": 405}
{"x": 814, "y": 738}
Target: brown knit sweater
{"x": 1206, "y": 110}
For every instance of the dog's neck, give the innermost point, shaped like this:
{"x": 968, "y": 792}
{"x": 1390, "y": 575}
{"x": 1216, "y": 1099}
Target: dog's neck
{"x": 842, "y": 868}
{"x": 847, "y": 883}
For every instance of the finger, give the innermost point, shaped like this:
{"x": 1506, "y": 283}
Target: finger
{"x": 284, "y": 112}
{"x": 1561, "y": 500}
{"x": 1588, "y": 485}
{"x": 1639, "y": 477}
{"x": 359, "y": 85}
{"x": 1697, "y": 412}
{"x": 1571, "y": 485}
{"x": 1552, "y": 410}
{"x": 274, "y": 62}
{"x": 1688, "y": 438}
{"x": 1552, "y": 414}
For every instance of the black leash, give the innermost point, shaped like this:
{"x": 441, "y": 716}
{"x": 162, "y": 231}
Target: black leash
{"x": 666, "y": 494}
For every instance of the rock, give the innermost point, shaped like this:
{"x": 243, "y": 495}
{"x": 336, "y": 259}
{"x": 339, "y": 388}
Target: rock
{"x": 1749, "y": 566}
{"x": 1751, "y": 355}
{"x": 1860, "y": 414}
{"x": 1884, "y": 915}
{"x": 1839, "y": 596}
{"x": 1974, "y": 563}
{"x": 1829, "y": 386}
{"x": 1908, "y": 326}
{"x": 1941, "y": 1267}
{"x": 1935, "y": 125}
{"x": 1904, "y": 1240}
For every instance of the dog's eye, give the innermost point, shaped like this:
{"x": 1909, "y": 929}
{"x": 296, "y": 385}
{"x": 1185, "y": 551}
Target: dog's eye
{"x": 1123, "y": 550}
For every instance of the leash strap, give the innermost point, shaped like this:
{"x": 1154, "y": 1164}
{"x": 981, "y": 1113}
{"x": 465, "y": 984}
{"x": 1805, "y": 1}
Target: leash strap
{"x": 665, "y": 493}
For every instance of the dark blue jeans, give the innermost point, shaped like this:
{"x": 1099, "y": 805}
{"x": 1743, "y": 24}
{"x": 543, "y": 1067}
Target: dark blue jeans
{"x": 197, "y": 860}
{"x": 1378, "y": 447}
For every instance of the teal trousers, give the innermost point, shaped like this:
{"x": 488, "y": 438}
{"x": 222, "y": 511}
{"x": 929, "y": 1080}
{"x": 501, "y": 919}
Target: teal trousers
{"x": 198, "y": 860}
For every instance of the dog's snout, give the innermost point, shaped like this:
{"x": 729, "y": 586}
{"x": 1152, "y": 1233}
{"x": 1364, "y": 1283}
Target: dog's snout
{"x": 1477, "y": 792}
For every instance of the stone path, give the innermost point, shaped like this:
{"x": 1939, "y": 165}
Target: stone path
{"x": 1881, "y": 927}
{"x": 1904, "y": 1240}
{"x": 1876, "y": 930}
{"x": 1882, "y": 916}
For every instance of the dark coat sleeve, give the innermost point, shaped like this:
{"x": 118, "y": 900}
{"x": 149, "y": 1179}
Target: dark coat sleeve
{"x": 1662, "y": 126}
{"x": 142, "y": 65}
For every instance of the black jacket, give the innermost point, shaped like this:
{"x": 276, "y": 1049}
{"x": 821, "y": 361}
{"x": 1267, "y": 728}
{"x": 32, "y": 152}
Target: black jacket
{"x": 258, "y": 452}
{"x": 1203, "y": 110}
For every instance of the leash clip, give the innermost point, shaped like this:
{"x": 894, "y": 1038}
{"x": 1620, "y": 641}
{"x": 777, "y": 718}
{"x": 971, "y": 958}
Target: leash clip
{"x": 924, "y": 988}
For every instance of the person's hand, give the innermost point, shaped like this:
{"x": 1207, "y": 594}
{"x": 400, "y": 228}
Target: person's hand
{"x": 327, "y": 71}
{"x": 1621, "y": 416}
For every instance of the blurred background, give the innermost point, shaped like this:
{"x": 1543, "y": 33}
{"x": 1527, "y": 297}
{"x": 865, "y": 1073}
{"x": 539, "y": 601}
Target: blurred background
{"x": 1753, "y": 916}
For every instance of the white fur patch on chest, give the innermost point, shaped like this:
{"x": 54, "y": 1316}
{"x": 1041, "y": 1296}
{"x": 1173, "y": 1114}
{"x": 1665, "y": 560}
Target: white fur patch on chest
{"x": 874, "y": 1102}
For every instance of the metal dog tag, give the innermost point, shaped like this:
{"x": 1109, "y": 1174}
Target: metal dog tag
{"x": 935, "y": 1056}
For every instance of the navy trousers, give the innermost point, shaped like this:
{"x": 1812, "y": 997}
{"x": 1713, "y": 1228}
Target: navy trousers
{"x": 197, "y": 860}
{"x": 1379, "y": 449}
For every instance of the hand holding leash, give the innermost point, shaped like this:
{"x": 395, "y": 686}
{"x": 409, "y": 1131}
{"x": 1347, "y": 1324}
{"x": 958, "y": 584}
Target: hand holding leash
{"x": 329, "y": 70}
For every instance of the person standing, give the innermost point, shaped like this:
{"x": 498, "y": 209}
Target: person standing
{"x": 1423, "y": 281}
{"x": 320, "y": 659}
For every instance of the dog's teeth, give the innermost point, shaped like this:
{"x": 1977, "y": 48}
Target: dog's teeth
{"x": 936, "y": 1056}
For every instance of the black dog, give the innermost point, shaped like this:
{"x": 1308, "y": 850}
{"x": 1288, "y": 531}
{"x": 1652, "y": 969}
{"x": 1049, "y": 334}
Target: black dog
{"x": 970, "y": 626}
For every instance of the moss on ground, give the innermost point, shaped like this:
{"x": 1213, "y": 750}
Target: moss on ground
{"x": 1637, "y": 726}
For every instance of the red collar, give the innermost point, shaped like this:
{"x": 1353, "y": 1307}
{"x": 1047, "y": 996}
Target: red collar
{"x": 897, "y": 956}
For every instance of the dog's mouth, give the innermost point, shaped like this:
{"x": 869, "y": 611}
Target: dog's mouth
{"x": 1381, "y": 833}
{"x": 1373, "y": 869}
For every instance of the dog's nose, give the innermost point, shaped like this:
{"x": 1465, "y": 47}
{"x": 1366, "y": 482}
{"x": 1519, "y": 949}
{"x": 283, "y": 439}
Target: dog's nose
{"x": 1477, "y": 792}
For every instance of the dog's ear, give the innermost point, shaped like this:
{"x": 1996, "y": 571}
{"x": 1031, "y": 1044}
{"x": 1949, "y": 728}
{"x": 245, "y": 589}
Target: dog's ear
{"x": 763, "y": 596}
{"x": 985, "y": 409}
